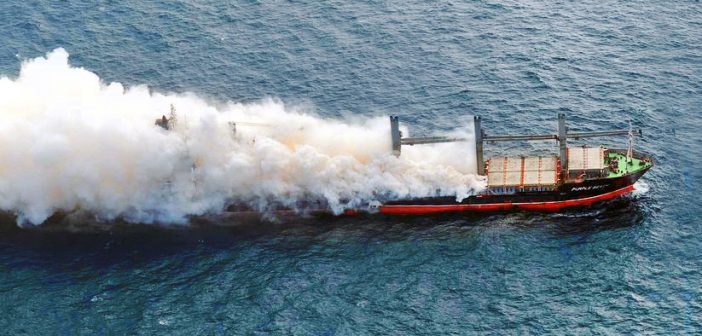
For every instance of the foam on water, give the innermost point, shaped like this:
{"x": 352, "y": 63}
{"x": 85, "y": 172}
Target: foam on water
{"x": 640, "y": 188}
{"x": 70, "y": 141}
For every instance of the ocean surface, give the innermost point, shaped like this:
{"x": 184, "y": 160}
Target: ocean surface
{"x": 629, "y": 267}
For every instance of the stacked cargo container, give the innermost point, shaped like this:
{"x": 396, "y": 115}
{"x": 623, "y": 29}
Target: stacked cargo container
{"x": 507, "y": 175}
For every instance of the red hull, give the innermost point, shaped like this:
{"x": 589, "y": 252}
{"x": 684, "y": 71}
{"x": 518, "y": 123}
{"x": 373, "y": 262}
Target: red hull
{"x": 399, "y": 209}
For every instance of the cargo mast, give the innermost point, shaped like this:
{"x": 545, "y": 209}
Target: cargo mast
{"x": 481, "y": 137}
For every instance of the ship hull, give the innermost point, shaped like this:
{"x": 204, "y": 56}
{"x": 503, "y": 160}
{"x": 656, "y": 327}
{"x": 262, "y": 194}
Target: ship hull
{"x": 568, "y": 195}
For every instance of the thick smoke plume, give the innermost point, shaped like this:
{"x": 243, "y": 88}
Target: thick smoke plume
{"x": 69, "y": 142}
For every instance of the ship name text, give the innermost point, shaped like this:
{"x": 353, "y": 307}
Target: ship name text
{"x": 586, "y": 188}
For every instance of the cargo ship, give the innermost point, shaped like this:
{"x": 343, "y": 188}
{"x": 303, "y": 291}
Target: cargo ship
{"x": 578, "y": 176}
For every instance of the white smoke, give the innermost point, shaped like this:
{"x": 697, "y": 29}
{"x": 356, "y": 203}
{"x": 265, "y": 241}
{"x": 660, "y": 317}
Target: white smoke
{"x": 71, "y": 142}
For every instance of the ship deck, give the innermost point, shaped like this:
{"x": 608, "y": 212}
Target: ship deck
{"x": 623, "y": 166}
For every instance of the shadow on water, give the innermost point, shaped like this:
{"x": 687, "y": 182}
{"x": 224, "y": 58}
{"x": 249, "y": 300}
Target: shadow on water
{"x": 618, "y": 214}
{"x": 67, "y": 242}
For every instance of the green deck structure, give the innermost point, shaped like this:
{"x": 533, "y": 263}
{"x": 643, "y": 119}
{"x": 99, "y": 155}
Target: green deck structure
{"x": 624, "y": 167}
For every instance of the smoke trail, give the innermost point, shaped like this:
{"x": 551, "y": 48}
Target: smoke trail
{"x": 71, "y": 142}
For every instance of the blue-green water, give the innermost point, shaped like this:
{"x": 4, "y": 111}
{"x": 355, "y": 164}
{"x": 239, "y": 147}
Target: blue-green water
{"x": 630, "y": 267}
